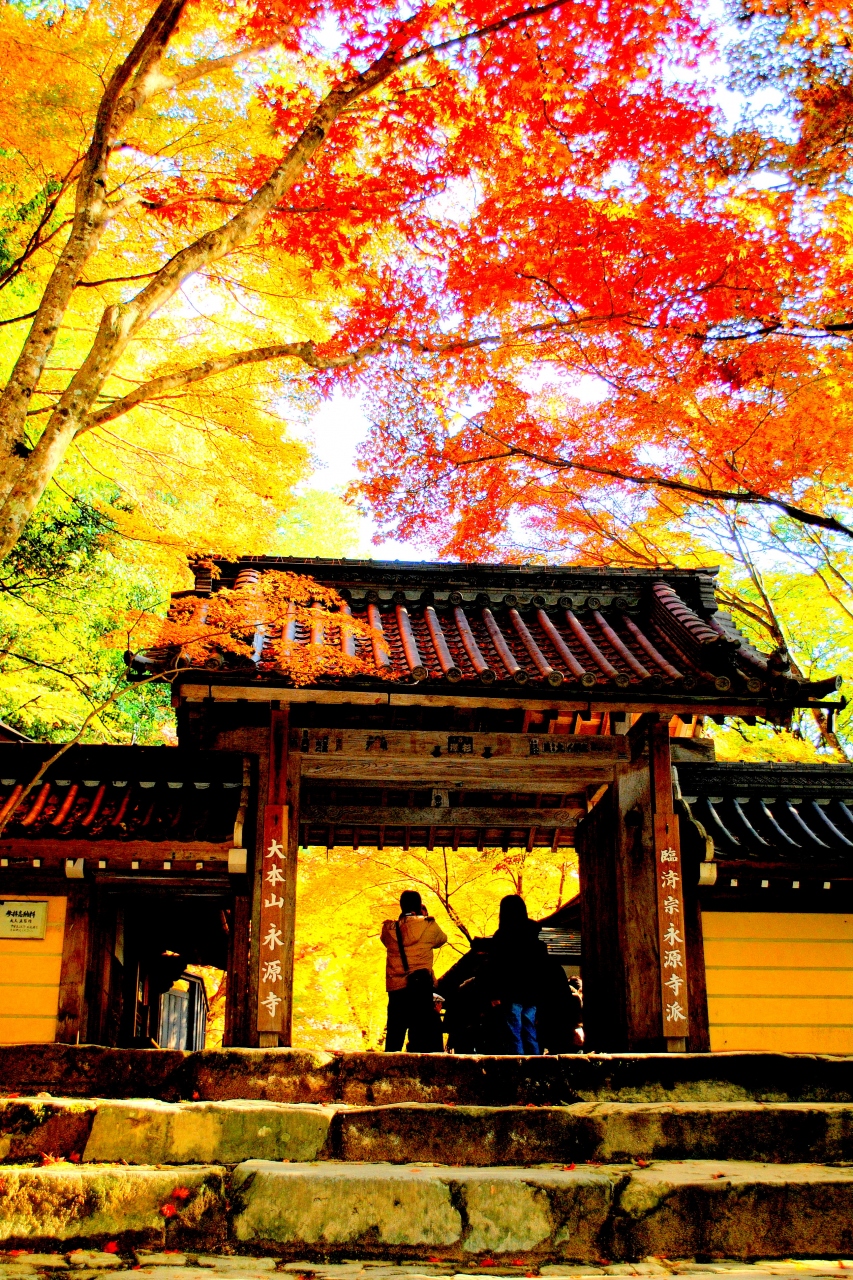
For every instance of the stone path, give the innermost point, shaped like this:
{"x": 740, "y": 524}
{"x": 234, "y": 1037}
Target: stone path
{"x": 84, "y": 1264}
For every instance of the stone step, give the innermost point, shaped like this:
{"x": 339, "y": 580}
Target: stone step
{"x": 146, "y": 1131}
{"x": 437, "y": 1213}
{"x": 146, "y": 1264}
{"x": 369, "y": 1079}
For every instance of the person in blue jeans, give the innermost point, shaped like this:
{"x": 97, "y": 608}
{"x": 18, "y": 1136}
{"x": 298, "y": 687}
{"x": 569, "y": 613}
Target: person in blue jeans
{"x": 517, "y": 964}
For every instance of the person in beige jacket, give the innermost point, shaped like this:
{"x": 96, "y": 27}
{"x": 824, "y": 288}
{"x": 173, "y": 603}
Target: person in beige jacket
{"x": 409, "y": 978}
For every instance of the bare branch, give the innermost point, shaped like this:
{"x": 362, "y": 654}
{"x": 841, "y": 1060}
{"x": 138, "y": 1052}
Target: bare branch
{"x": 170, "y": 382}
{"x": 747, "y": 496}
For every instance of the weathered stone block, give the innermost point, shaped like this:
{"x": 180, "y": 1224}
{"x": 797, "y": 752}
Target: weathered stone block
{"x": 453, "y": 1212}
{"x": 735, "y": 1210}
{"x": 93, "y": 1260}
{"x": 96, "y": 1203}
{"x": 31, "y": 1127}
{"x": 152, "y": 1132}
{"x": 334, "y": 1205}
{"x": 603, "y": 1131}
{"x": 364, "y": 1079}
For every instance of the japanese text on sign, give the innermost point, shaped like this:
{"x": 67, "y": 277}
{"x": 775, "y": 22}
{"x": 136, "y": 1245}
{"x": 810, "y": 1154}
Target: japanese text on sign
{"x": 272, "y": 975}
{"x": 670, "y": 904}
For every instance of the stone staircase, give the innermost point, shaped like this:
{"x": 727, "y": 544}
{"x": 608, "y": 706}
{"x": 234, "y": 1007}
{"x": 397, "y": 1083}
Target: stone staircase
{"x": 447, "y": 1163}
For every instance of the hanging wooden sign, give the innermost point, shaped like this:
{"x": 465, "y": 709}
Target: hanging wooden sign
{"x": 673, "y": 949}
{"x": 271, "y": 975}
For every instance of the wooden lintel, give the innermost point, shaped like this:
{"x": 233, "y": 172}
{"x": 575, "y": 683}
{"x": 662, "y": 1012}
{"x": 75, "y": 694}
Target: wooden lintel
{"x": 540, "y": 749}
{"x": 393, "y": 697}
{"x": 377, "y": 816}
{"x": 500, "y": 775}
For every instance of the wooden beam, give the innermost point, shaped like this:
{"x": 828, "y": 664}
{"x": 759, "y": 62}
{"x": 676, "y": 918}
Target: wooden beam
{"x": 237, "y": 990}
{"x": 375, "y": 816}
{"x": 430, "y": 745}
{"x": 195, "y": 691}
{"x": 122, "y": 852}
{"x": 71, "y": 1017}
{"x": 497, "y": 775}
{"x": 292, "y": 780}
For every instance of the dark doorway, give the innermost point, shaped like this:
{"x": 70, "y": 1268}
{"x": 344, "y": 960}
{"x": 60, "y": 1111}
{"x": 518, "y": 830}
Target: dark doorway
{"x": 141, "y": 996}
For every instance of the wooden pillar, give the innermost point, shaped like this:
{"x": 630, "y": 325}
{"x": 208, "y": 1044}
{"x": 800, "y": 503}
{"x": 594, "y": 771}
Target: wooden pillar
{"x": 642, "y": 965}
{"x": 671, "y": 927}
{"x": 622, "y": 1004}
{"x": 71, "y": 1017}
{"x": 237, "y": 989}
{"x": 275, "y": 885}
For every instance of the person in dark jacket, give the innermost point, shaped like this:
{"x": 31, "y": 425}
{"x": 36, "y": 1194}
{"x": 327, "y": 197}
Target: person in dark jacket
{"x": 518, "y": 973}
{"x": 472, "y": 1024}
{"x": 559, "y": 1011}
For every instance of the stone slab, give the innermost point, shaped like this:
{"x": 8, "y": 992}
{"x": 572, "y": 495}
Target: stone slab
{"x": 91, "y": 1205}
{"x": 734, "y": 1209}
{"x": 507, "y": 1217}
{"x": 445, "y": 1212}
{"x": 153, "y": 1132}
{"x": 149, "y": 1131}
{"x": 33, "y": 1127}
{"x": 31, "y": 1266}
{"x": 583, "y": 1132}
{"x": 367, "y": 1079}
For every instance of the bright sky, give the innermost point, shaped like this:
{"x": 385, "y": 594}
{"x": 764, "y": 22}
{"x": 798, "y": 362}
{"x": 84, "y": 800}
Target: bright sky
{"x": 335, "y": 433}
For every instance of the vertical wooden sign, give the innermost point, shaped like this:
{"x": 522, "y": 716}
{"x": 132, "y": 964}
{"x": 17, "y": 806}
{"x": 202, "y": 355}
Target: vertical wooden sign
{"x": 670, "y": 895}
{"x": 673, "y": 951}
{"x": 271, "y": 976}
{"x": 272, "y": 968}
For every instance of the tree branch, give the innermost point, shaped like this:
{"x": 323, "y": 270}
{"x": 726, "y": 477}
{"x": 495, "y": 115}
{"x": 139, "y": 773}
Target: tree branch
{"x": 746, "y": 496}
{"x": 159, "y": 387}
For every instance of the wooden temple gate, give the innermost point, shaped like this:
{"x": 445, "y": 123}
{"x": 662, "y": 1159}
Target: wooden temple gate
{"x": 516, "y": 707}
{"x": 529, "y": 704}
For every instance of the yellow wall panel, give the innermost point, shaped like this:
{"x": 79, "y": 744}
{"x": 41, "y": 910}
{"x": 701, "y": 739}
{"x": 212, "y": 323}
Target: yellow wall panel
{"x": 41, "y": 970}
{"x": 29, "y": 979}
{"x": 783, "y": 1039}
{"x": 786, "y": 925}
{"x": 28, "y": 998}
{"x": 776, "y": 1011}
{"x": 774, "y": 953}
{"x": 779, "y": 981}
{"x": 27, "y": 1030}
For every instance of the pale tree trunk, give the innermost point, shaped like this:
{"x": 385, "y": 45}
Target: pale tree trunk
{"x": 119, "y": 324}
{"x": 90, "y": 218}
{"x": 133, "y": 83}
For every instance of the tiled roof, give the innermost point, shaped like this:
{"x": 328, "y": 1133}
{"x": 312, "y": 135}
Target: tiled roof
{"x": 773, "y": 812}
{"x": 597, "y": 632}
{"x": 122, "y": 793}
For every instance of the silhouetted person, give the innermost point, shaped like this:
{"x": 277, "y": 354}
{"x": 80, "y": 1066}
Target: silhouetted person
{"x": 518, "y": 968}
{"x": 410, "y": 941}
{"x": 559, "y": 1011}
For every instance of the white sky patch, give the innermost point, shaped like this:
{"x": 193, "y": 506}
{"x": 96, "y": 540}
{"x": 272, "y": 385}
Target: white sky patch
{"x": 334, "y": 435}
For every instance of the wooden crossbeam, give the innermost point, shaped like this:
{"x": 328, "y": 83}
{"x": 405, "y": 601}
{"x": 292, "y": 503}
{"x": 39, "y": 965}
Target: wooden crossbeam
{"x": 425, "y": 745}
{"x": 446, "y": 816}
{"x": 492, "y": 775}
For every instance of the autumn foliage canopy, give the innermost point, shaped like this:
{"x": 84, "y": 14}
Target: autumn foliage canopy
{"x": 471, "y": 212}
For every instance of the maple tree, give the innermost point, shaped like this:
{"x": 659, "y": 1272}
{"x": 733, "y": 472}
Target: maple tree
{"x": 453, "y": 196}
{"x": 257, "y": 622}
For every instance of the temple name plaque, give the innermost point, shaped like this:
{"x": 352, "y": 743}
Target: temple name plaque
{"x": 23, "y": 919}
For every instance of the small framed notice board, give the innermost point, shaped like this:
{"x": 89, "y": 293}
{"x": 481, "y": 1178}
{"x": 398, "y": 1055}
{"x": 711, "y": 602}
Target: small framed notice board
{"x": 22, "y": 919}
